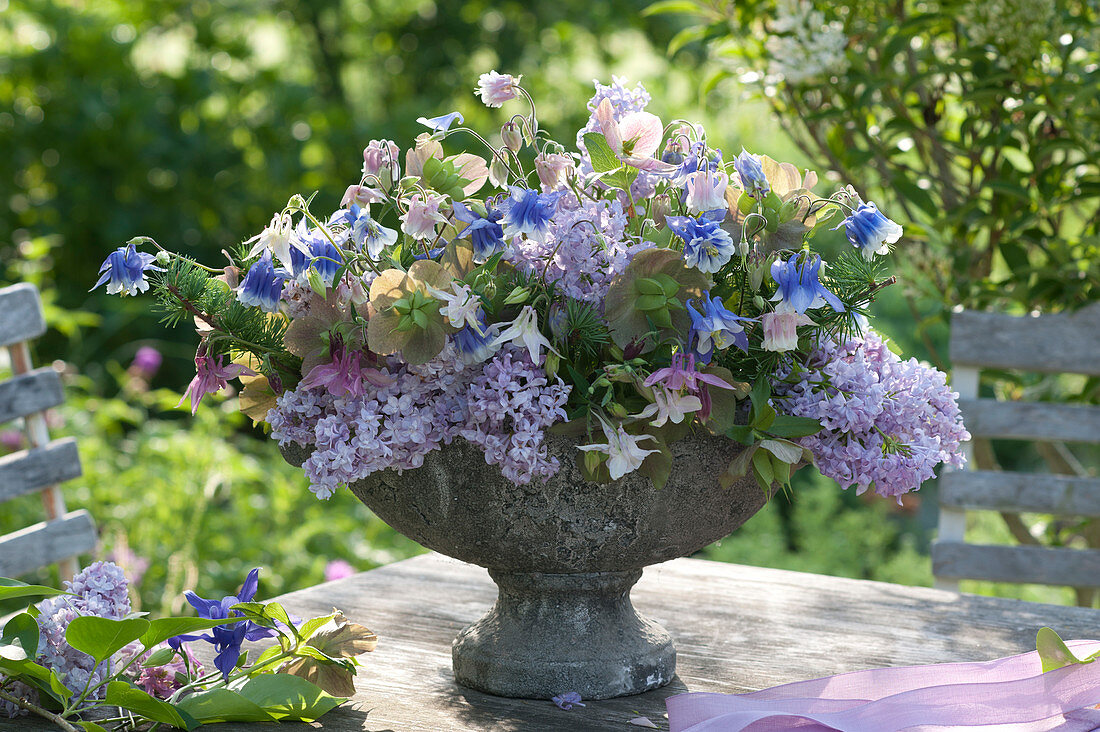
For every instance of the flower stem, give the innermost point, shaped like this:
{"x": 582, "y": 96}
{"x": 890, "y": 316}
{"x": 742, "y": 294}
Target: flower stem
{"x": 35, "y": 709}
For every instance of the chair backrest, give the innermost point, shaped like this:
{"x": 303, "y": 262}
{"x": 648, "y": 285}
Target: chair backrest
{"x": 45, "y": 463}
{"x": 1056, "y": 343}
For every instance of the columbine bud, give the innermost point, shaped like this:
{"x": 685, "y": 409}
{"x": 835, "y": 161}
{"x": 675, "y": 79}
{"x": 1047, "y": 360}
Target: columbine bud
{"x": 517, "y": 296}
{"x": 617, "y": 409}
{"x": 512, "y": 136}
{"x": 498, "y": 171}
{"x": 163, "y": 258}
{"x": 552, "y": 363}
{"x": 662, "y": 207}
{"x": 592, "y": 460}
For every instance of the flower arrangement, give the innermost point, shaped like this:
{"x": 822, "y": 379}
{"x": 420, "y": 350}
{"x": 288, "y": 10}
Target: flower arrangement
{"x": 80, "y": 658}
{"x": 630, "y": 292}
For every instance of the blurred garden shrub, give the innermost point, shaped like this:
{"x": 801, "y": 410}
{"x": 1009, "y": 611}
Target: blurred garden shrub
{"x": 979, "y": 120}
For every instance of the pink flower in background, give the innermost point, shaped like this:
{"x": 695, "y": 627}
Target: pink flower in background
{"x": 211, "y": 376}
{"x": 146, "y": 362}
{"x": 362, "y": 195}
{"x": 496, "y": 89}
{"x": 338, "y": 569}
{"x": 11, "y": 439}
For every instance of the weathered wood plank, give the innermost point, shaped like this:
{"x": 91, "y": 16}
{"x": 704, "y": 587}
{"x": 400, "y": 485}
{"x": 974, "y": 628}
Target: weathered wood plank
{"x": 20, "y": 314}
{"x": 29, "y": 470}
{"x": 1048, "y": 344}
{"x": 32, "y": 392}
{"x": 1015, "y": 492}
{"x": 736, "y": 628}
{"x": 1024, "y": 564}
{"x": 1031, "y": 420}
{"x": 47, "y": 542}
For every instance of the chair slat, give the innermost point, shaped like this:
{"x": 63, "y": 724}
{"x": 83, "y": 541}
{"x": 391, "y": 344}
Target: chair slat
{"x": 45, "y": 543}
{"x": 20, "y": 314}
{"x": 1043, "y": 421}
{"x": 1055, "y": 343}
{"x": 29, "y": 470}
{"x": 1023, "y": 564}
{"x": 992, "y": 490}
{"x": 28, "y": 393}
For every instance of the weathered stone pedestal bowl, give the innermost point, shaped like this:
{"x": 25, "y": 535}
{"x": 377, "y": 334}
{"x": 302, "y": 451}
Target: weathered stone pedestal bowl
{"x": 564, "y": 555}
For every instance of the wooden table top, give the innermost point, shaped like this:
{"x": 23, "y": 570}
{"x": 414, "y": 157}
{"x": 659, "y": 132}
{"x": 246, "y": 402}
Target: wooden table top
{"x": 736, "y": 628}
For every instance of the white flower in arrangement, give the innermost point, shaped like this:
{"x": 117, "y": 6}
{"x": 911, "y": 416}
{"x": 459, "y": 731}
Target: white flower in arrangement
{"x": 278, "y": 238}
{"x": 670, "y": 406}
{"x": 805, "y": 47}
{"x": 463, "y": 306}
{"x": 524, "y": 331}
{"x": 622, "y": 450}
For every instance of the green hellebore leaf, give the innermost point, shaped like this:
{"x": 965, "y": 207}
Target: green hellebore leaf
{"x": 648, "y": 303}
{"x": 785, "y": 450}
{"x": 648, "y": 286}
{"x": 746, "y": 204}
{"x": 101, "y": 638}
{"x": 762, "y": 469}
{"x": 661, "y": 318}
{"x": 288, "y": 697}
{"x": 223, "y": 705}
{"x": 668, "y": 285}
{"x": 738, "y": 467}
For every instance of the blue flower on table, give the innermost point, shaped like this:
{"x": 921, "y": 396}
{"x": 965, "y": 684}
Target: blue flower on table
{"x": 263, "y": 285}
{"x": 707, "y": 246}
{"x": 227, "y": 639}
{"x": 528, "y": 212}
{"x": 870, "y": 231}
{"x": 485, "y": 232}
{"x": 715, "y": 327}
{"x": 124, "y": 271}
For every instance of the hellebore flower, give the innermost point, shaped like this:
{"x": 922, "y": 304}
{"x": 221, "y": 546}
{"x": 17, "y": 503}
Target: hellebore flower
{"x": 496, "y": 89}
{"x": 869, "y": 231}
{"x": 528, "y": 212}
{"x": 524, "y": 331}
{"x": 706, "y": 191}
{"x": 799, "y": 287}
{"x": 262, "y": 286}
{"x": 124, "y": 271}
{"x": 443, "y": 122}
{"x": 753, "y": 181}
{"x": 624, "y": 455}
{"x": 227, "y": 639}
{"x": 715, "y": 327}
{"x": 634, "y": 138}
{"x": 211, "y": 376}
{"x": 707, "y": 246}
{"x": 423, "y": 214}
{"x": 486, "y": 234}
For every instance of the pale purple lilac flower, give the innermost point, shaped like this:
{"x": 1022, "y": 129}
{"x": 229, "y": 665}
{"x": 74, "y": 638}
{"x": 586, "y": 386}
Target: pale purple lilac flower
{"x": 568, "y": 700}
{"x": 859, "y": 391}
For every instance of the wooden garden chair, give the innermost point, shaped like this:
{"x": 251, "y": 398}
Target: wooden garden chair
{"x": 46, "y": 463}
{"x": 1057, "y": 343}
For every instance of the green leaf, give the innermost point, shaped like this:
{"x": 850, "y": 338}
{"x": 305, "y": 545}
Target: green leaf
{"x": 24, "y": 628}
{"x": 91, "y": 727}
{"x": 787, "y": 426}
{"x": 742, "y": 433}
{"x": 11, "y": 589}
{"x": 671, "y": 6}
{"x": 101, "y": 638}
{"x": 621, "y": 178}
{"x": 162, "y": 629}
{"x": 786, "y": 451}
{"x": 312, "y": 625}
{"x": 762, "y": 468}
{"x": 223, "y": 705}
{"x": 738, "y": 467}
{"x": 602, "y": 156}
{"x": 289, "y": 697}
{"x": 159, "y": 657}
{"x": 130, "y": 697}
{"x": 1053, "y": 651}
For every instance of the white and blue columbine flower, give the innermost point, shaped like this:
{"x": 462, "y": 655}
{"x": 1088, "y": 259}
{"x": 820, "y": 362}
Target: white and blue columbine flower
{"x": 486, "y": 234}
{"x": 869, "y": 231}
{"x": 322, "y": 255}
{"x": 476, "y": 344}
{"x": 798, "y": 286}
{"x": 715, "y": 328}
{"x": 753, "y": 180}
{"x": 528, "y": 212}
{"x": 262, "y": 286}
{"x": 364, "y": 232}
{"x": 707, "y": 246}
{"x": 124, "y": 271}
{"x": 443, "y": 122}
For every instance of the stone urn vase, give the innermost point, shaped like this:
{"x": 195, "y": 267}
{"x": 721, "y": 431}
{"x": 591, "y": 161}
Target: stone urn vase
{"x": 564, "y": 555}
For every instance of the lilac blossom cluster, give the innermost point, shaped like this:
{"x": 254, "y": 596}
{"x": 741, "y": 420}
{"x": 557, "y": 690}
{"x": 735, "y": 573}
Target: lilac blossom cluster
{"x": 510, "y": 405}
{"x": 887, "y": 422}
{"x": 425, "y": 407}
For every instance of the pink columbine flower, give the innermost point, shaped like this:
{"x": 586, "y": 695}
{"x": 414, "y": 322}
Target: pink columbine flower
{"x": 423, "y": 214}
{"x": 781, "y": 328}
{"x": 634, "y": 138}
{"x": 344, "y": 375}
{"x": 622, "y": 450}
{"x": 681, "y": 376}
{"x": 362, "y": 195}
{"x": 380, "y": 162}
{"x": 496, "y": 89}
{"x": 552, "y": 169}
{"x": 211, "y": 376}
{"x": 706, "y": 191}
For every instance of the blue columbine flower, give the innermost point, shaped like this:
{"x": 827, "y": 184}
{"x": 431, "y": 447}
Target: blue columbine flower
{"x": 227, "y": 639}
{"x": 323, "y": 255}
{"x": 707, "y": 246}
{"x": 124, "y": 271}
{"x": 486, "y": 234}
{"x": 799, "y": 287}
{"x": 443, "y": 122}
{"x": 473, "y": 346}
{"x": 528, "y": 212}
{"x": 753, "y": 181}
{"x": 364, "y": 231}
{"x": 869, "y": 231}
{"x": 715, "y": 327}
{"x": 262, "y": 286}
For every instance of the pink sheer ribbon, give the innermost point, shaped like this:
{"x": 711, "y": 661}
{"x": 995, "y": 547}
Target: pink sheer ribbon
{"x": 1006, "y": 695}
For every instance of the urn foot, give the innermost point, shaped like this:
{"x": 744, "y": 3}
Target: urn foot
{"x": 553, "y": 633}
